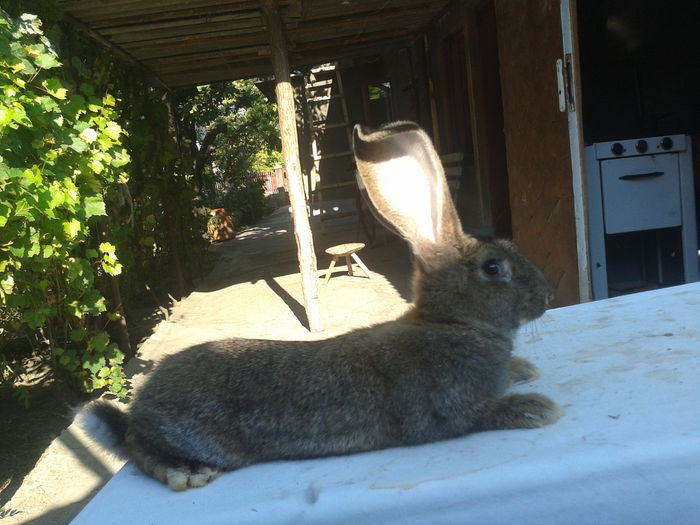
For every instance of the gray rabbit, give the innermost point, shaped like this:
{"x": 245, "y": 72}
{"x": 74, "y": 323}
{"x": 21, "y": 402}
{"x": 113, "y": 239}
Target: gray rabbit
{"x": 438, "y": 372}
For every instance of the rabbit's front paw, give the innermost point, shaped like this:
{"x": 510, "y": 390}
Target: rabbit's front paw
{"x": 518, "y": 411}
{"x": 182, "y": 478}
{"x": 522, "y": 371}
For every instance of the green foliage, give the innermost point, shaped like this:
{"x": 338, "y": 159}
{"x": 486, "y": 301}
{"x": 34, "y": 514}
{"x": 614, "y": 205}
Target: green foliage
{"x": 245, "y": 202}
{"x": 60, "y": 157}
{"x": 98, "y": 174}
{"x": 245, "y": 123}
{"x": 266, "y": 160}
{"x": 11, "y": 374}
{"x": 162, "y": 225}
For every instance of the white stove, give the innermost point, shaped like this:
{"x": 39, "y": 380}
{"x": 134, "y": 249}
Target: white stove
{"x": 641, "y": 185}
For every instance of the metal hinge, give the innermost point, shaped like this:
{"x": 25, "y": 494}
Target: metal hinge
{"x": 564, "y": 88}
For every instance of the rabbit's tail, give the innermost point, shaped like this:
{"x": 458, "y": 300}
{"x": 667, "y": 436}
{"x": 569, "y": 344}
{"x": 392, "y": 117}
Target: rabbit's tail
{"x": 116, "y": 419}
{"x": 105, "y": 424}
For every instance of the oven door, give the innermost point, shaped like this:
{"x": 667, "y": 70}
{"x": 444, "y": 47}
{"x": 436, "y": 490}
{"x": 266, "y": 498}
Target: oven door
{"x": 641, "y": 193}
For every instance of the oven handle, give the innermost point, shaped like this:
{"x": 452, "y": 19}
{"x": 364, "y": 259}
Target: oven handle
{"x": 641, "y": 176}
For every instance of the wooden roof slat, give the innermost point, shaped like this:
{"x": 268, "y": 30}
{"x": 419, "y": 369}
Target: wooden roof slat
{"x": 336, "y": 45}
{"x": 198, "y": 59}
{"x": 370, "y": 16}
{"x": 221, "y": 56}
{"x": 189, "y": 25}
{"x": 354, "y": 8}
{"x": 172, "y": 47}
{"x": 135, "y": 17}
{"x": 90, "y": 10}
{"x": 336, "y": 31}
{"x": 225, "y": 72}
{"x": 190, "y": 42}
{"x": 203, "y": 25}
{"x": 164, "y": 49}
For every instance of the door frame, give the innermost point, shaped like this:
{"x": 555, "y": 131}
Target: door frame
{"x": 572, "y": 87}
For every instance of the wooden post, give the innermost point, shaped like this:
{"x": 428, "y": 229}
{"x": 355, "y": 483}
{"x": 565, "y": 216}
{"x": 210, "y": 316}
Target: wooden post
{"x": 290, "y": 152}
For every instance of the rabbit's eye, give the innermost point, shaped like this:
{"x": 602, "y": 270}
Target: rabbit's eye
{"x": 492, "y": 268}
{"x": 496, "y": 269}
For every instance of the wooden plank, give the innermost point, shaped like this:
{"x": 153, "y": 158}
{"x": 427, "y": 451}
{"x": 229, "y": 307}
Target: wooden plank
{"x": 202, "y": 71}
{"x": 184, "y": 29}
{"x": 335, "y": 155}
{"x": 199, "y": 58}
{"x": 183, "y": 79}
{"x": 206, "y": 48}
{"x": 345, "y": 184}
{"x": 537, "y": 142}
{"x": 333, "y": 125}
{"x": 191, "y": 50}
{"x": 162, "y": 8}
{"x": 129, "y": 59}
{"x": 357, "y": 46}
{"x": 426, "y": 11}
{"x": 192, "y": 43}
{"x": 160, "y": 16}
{"x": 195, "y": 37}
{"x": 307, "y": 55}
{"x": 294, "y": 9}
{"x": 290, "y": 151}
{"x": 327, "y": 9}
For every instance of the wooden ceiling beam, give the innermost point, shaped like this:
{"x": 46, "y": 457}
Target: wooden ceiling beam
{"x": 356, "y": 31}
{"x": 198, "y": 59}
{"x": 99, "y": 10}
{"x": 354, "y": 9}
{"x": 120, "y": 53}
{"x": 208, "y": 40}
{"x": 368, "y": 18}
{"x": 191, "y": 25}
{"x": 196, "y": 78}
{"x": 193, "y": 47}
{"x": 191, "y": 31}
{"x": 333, "y": 48}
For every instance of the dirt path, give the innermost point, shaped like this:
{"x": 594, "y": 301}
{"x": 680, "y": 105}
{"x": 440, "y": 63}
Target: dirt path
{"x": 254, "y": 291}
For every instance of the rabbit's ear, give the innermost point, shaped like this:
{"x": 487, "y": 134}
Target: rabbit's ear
{"x": 401, "y": 174}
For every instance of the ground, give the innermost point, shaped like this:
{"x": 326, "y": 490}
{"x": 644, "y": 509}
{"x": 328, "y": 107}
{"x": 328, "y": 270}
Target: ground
{"x": 50, "y": 469}
{"x": 26, "y": 432}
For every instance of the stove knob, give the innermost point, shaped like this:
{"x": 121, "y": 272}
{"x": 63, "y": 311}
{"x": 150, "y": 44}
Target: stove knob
{"x": 666, "y": 143}
{"x": 617, "y": 149}
{"x": 641, "y": 146}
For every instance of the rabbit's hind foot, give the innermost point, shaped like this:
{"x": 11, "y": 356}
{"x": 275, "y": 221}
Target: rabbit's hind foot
{"x": 522, "y": 371}
{"x": 177, "y": 474}
{"x": 518, "y": 411}
{"x": 179, "y": 477}
{"x": 182, "y": 478}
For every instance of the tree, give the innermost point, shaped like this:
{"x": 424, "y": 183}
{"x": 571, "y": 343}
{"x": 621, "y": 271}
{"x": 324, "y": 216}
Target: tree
{"x": 231, "y": 130}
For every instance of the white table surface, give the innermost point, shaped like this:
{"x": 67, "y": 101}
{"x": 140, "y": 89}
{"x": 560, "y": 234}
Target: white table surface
{"x": 627, "y": 372}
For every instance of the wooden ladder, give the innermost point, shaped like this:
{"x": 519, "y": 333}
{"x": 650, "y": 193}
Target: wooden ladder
{"x": 324, "y": 86}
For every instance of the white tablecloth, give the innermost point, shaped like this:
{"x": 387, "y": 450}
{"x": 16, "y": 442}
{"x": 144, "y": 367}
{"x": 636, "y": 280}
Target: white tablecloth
{"x": 627, "y": 372}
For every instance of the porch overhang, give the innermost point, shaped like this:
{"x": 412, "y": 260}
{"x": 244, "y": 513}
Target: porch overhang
{"x": 182, "y": 43}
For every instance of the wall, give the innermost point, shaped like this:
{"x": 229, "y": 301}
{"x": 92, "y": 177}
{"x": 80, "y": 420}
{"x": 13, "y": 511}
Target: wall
{"x": 468, "y": 114}
{"x": 537, "y": 141}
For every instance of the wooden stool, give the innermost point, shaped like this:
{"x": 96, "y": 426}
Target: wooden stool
{"x": 346, "y": 250}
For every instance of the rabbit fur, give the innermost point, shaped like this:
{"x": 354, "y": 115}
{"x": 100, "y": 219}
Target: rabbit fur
{"x": 438, "y": 372}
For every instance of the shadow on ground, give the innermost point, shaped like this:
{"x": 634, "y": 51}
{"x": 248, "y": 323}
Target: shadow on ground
{"x": 269, "y": 250}
{"x": 23, "y": 439}
{"x": 253, "y": 291}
